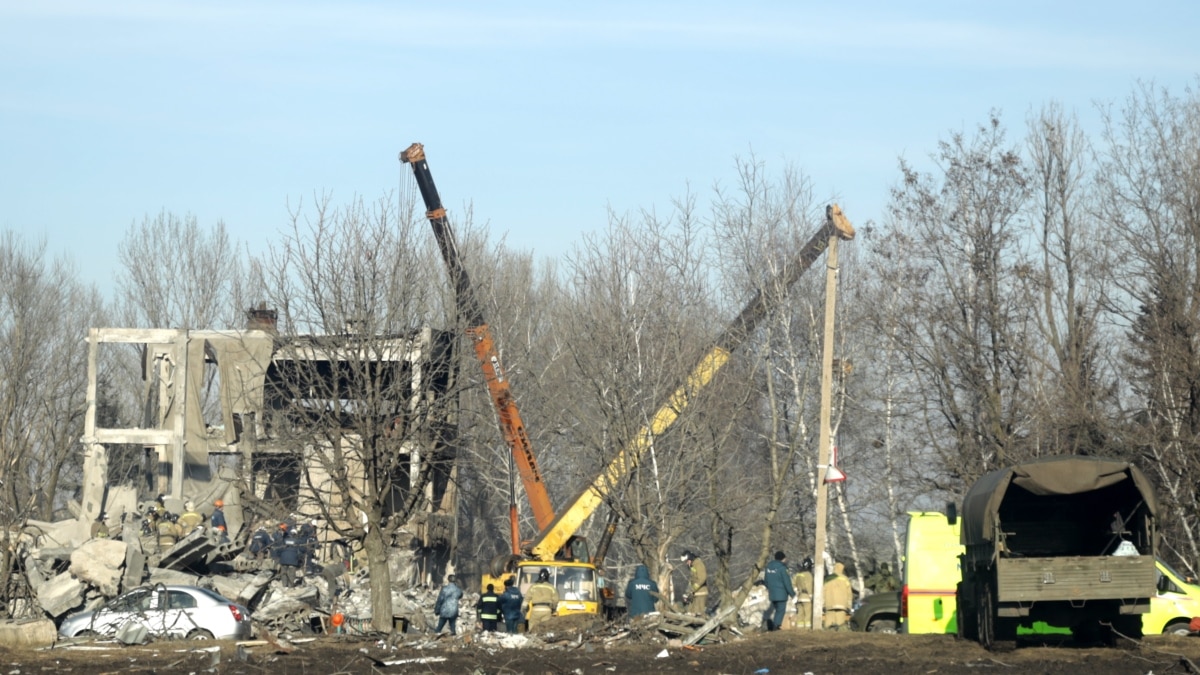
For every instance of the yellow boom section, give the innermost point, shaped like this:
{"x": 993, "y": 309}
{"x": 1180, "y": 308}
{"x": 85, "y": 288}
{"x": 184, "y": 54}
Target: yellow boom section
{"x": 570, "y": 519}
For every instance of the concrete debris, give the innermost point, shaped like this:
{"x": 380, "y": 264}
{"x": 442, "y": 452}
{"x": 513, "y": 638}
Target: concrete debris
{"x": 100, "y": 562}
{"x": 31, "y": 634}
{"x": 61, "y": 594}
{"x": 754, "y": 608}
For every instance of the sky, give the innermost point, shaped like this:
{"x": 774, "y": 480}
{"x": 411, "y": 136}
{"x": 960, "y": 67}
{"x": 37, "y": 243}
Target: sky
{"x": 541, "y": 117}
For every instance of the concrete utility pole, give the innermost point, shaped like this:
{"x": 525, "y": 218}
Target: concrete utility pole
{"x": 824, "y": 442}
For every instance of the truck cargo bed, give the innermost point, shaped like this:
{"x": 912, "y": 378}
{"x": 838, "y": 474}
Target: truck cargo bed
{"x": 1076, "y": 578}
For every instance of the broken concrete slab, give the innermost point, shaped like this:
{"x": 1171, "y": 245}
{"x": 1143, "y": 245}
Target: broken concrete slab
{"x": 241, "y": 587}
{"x": 190, "y": 551}
{"x": 100, "y": 563}
{"x": 36, "y": 634}
{"x": 61, "y": 594}
{"x": 135, "y": 560}
{"x": 159, "y": 575}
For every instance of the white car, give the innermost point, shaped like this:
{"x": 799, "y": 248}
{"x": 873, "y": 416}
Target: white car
{"x": 165, "y": 611}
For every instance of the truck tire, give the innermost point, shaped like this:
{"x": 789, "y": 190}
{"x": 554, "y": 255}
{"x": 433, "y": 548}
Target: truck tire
{"x": 984, "y": 615}
{"x": 882, "y": 626}
{"x": 995, "y": 633}
{"x": 968, "y": 621}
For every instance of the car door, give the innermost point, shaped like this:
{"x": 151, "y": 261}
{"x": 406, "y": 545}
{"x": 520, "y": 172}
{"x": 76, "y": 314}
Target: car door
{"x": 177, "y": 614}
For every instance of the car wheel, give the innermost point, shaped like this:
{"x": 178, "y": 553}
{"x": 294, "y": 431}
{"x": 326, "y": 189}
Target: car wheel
{"x": 1181, "y": 628}
{"x": 200, "y": 634}
{"x": 882, "y": 626}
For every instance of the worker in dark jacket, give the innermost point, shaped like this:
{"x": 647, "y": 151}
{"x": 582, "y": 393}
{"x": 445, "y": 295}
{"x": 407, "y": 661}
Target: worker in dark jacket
{"x": 779, "y": 589}
{"x": 260, "y": 543}
{"x": 488, "y": 608}
{"x": 641, "y": 592}
{"x": 510, "y": 605}
{"x": 217, "y": 520}
{"x": 288, "y": 554}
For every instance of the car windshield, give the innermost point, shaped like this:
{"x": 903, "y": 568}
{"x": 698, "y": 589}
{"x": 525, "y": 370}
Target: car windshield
{"x": 211, "y": 595}
{"x": 1183, "y": 578}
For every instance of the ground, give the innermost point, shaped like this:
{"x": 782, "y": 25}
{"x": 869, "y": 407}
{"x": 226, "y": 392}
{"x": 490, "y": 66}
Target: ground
{"x": 777, "y": 653}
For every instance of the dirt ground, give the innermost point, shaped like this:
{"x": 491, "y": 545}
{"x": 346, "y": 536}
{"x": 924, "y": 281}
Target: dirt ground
{"x": 777, "y": 653}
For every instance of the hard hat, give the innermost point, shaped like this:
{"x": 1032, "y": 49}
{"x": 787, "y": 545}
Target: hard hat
{"x": 688, "y": 555}
{"x": 806, "y": 564}
{"x": 189, "y": 506}
{"x": 219, "y": 503}
{"x": 544, "y": 575}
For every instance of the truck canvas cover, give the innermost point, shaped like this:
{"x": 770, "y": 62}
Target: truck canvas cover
{"x": 1116, "y": 486}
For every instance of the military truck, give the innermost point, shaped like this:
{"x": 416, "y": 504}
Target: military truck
{"x": 1068, "y": 540}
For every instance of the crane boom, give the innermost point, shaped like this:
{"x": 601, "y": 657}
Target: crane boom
{"x": 552, "y": 539}
{"x": 471, "y": 312}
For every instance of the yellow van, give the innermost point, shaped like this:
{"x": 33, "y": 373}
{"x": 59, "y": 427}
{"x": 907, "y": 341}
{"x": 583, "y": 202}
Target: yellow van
{"x": 931, "y": 573}
{"x": 1177, "y": 602}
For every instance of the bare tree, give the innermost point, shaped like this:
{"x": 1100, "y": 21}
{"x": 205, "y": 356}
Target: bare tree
{"x": 1150, "y": 182}
{"x": 42, "y": 389}
{"x": 1077, "y": 414}
{"x": 356, "y": 284}
{"x": 176, "y": 274}
{"x": 967, "y": 324}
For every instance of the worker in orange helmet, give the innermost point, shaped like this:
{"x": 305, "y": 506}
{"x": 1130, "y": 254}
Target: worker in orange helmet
{"x": 218, "y": 520}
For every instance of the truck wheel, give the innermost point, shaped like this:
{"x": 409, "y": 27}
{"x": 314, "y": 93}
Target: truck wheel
{"x": 1180, "y": 628}
{"x": 984, "y": 616}
{"x": 967, "y": 620}
{"x": 884, "y": 626}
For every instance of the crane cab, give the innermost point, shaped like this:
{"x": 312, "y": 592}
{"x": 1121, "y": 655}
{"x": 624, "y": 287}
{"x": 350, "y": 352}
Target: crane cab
{"x": 578, "y": 584}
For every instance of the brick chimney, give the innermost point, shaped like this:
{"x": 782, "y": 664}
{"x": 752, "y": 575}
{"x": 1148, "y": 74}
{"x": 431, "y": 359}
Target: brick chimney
{"x": 261, "y": 318}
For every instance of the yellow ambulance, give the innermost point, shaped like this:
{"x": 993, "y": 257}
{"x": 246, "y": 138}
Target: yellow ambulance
{"x": 931, "y": 573}
{"x": 1177, "y": 602}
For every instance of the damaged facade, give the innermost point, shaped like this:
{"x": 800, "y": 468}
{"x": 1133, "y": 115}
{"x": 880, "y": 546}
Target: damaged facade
{"x": 281, "y": 429}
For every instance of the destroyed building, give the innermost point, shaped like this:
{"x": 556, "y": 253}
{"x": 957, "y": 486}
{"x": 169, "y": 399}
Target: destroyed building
{"x": 260, "y": 421}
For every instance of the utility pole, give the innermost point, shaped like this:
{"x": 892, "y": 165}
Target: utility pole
{"x": 824, "y": 446}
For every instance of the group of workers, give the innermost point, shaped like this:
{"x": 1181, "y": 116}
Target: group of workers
{"x": 790, "y": 596}
{"x": 290, "y": 547}
{"x": 169, "y": 527}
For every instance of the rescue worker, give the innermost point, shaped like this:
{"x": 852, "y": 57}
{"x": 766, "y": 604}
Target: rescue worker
{"x": 839, "y": 597}
{"x": 779, "y": 589}
{"x": 287, "y": 554}
{"x": 641, "y": 592}
{"x": 510, "y": 605}
{"x": 260, "y": 543}
{"x": 218, "y": 520}
{"x": 446, "y": 606}
{"x": 168, "y": 531}
{"x": 277, "y": 540}
{"x": 697, "y": 595}
{"x": 99, "y": 527}
{"x": 190, "y": 519}
{"x": 882, "y": 580}
{"x": 803, "y": 584}
{"x": 543, "y": 600}
{"x": 488, "y": 609}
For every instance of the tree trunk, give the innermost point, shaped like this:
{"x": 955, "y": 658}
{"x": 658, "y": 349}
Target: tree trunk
{"x": 381, "y": 579}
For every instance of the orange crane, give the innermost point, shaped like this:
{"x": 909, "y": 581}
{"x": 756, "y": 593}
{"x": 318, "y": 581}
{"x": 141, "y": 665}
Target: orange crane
{"x": 480, "y": 333}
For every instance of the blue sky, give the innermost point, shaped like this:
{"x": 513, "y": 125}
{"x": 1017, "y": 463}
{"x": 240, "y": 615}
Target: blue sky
{"x": 541, "y": 115}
